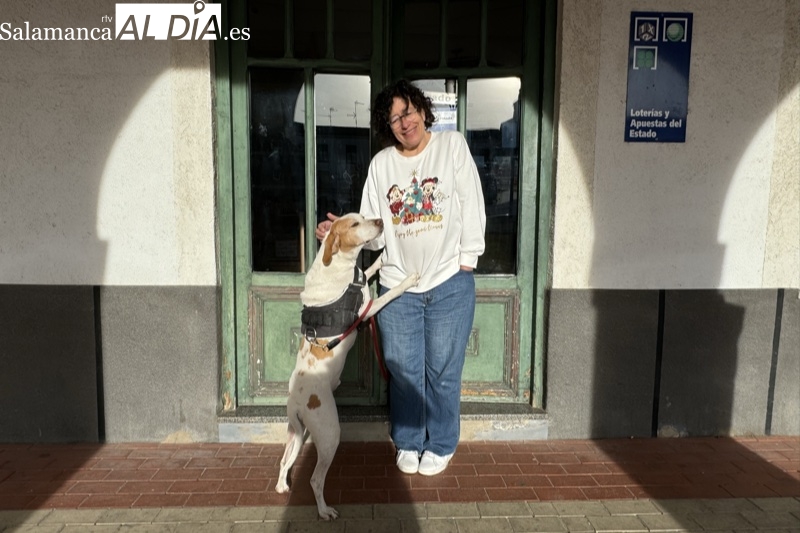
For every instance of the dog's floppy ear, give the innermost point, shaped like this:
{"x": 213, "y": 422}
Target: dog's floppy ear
{"x": 331, "y": 247}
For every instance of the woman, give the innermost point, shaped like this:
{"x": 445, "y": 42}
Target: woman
{"x": 438, "y": 232}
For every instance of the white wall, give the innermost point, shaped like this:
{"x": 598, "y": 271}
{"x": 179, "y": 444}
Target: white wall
{"x": 107, "y": 173}
{"x": 721, "y": 210}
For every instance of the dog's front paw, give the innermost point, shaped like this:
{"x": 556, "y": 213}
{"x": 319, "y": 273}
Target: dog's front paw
{"x": 411, "y": 281}
{"x": 328, "y": 513}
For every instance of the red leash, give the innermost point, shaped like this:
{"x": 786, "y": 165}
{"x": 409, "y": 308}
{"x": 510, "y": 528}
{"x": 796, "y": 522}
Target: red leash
{"x": 374, "y": 330}
{"x": 332, "y": 344}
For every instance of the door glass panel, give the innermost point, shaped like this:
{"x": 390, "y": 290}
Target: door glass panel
{"x": 444, "y": 97}
{"x": 277, "y": 169}
{"x": 422, "y": 29}
{"x": 310, "y": 20}
{"x": 342, "y": 118}
{"x": 504, "y": 33}
{"x": 493, "y": 136}
{"x": 463, "y": 33}
{"x": 352, "y": 30}
{"x": 265, "y": 19}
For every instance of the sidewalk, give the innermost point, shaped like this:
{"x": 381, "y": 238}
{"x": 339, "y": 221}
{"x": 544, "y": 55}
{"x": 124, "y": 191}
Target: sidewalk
{"x": 708, "y": 484}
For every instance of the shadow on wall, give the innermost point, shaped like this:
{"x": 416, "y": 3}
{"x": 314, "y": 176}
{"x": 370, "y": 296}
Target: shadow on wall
{"x": 65, "y": 106}
{"x": 674, "y": 363}
{"x": 681, "y": 362}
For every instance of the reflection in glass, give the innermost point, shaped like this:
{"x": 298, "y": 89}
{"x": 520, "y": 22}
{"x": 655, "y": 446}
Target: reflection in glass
{"x": 277, "y": 169}
{"x": 342, "y": 119}
{"x": 493, "y": 136}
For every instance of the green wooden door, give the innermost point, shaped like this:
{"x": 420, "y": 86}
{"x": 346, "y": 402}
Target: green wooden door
{"x": 293, "y": 109}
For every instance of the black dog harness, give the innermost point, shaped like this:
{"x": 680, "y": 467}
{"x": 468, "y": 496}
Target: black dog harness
{"x": 338, "y": 318}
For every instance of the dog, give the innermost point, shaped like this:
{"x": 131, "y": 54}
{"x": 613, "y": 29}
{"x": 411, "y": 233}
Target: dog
{"x": 321, "y": 357}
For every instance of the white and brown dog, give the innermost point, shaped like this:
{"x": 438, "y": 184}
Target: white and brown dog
{"x": 331, "y": 280}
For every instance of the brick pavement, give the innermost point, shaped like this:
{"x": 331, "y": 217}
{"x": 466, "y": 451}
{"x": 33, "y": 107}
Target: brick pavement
{"x": 693, "y": 484}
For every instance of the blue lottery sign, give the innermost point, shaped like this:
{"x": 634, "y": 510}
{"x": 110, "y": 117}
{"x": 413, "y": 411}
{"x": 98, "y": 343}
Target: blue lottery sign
{"x": 659, "y": 52}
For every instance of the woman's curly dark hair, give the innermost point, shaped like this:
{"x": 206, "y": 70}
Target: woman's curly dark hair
{"x": 407, "y": 92}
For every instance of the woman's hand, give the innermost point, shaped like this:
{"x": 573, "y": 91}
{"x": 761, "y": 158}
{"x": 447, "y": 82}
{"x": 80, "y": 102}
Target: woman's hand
{"x": 324, "y": 226}
{"x": 466, "y": 268}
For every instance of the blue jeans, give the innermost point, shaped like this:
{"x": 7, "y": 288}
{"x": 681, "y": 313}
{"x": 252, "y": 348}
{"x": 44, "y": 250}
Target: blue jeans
{"x": 424, "y": 339}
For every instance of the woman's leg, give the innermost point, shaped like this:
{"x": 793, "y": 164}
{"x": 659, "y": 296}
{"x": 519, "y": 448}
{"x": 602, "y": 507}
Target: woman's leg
{"x": 449, "y": 313}
{"x": 401, "y": 327}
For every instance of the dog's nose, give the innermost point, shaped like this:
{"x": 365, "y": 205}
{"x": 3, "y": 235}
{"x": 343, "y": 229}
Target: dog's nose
{"x": 379, "y": 222}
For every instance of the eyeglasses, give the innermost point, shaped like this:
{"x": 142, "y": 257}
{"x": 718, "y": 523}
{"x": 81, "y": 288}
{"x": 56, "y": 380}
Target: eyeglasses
{"x": 394, "y": 122}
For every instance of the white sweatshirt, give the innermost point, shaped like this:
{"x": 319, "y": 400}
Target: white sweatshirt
{"x": 432, "y": 208}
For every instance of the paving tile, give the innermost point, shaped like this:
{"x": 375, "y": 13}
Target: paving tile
{"x": 542, "y": 509}
{"x": 580, "y": 509}
{"x": 416, "y": 495}
{"x": 401, "y": 511}
{"x": 318, "y": 526}
{"x": 161, "y": 500}
{"x": 494, "y": 509}
{"x": 736, "y": 505}
{"x": 512, "y": 493}
{"x": 577, "y": 524}
{"x": 452, "y": 510}
{"x": 777, "y": 504}
{"x": 636, "y": 507}
{"x": 772, "y": 519}
{"x": 481, "y": 481}
{"x": 682, "y": 507}
{"x": 295, "y": 512}
{"x": 545, "y": 524}
{"x": 616, "y": 523}
{"x": 13, "y": 518}
{"x": 196, "y": 527}
{"x": 187, "y": 514}
{"x": 560, "y": 493}
{"x": 356, "y": 512}
{"x": 238, "y": 514}
{"x": 438, "y": 525}
{"x": 463, "y": 495}
{"x": 607, "y": 493}
{"x": 666, "y": 522}
{"x": 127, "y": 516}
{"x": 482, "y": 525}
{"x": 90, "y": 528}
{"x": 256, "y": 527}
{"x": 714, "y": 521}
{"x": 385, "y": 525}
{"x": 73, "y": 516}
{"x": 52, "y": 528}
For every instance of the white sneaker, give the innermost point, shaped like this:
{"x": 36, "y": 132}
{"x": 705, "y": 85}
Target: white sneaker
{"x": 432, "y": 464}
{"x": 407, "y": 461}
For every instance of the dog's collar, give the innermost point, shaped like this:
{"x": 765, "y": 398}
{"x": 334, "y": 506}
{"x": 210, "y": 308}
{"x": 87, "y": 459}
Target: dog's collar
{"x": 331, "y": 320}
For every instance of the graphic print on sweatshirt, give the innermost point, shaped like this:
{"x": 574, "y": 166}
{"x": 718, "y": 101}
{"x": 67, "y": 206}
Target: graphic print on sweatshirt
{"x": 420, "y": 201}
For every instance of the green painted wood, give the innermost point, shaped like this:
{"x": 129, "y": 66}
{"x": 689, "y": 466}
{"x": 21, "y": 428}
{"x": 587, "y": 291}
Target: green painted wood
{"x": 546, "y": 198}
{"x": 241, "y": 195}
{"x": 361, "y": 67}
{"x": 224, "y": 155}
{"x": 529, "y": 147}
{"x": 511, "y": 307}
{"x": 310, "y": 240}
